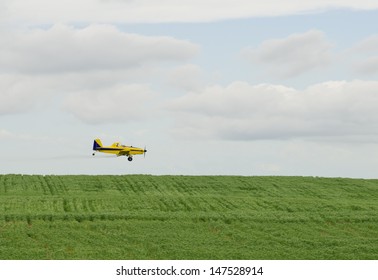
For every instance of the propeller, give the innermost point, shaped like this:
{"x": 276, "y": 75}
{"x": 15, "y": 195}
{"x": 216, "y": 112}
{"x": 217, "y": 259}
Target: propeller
{"x": 144, "y": 152}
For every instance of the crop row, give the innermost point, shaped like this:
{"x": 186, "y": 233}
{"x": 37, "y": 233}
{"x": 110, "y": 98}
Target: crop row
{"x": 187, "y": 217}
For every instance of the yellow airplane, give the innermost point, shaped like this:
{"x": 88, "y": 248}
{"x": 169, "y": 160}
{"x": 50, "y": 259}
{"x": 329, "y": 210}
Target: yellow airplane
{"x": 117, "y": 149}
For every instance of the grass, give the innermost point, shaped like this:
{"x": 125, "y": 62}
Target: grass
{"x": 187, "y": 217}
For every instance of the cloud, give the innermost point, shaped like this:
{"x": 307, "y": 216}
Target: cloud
{"x": 366, "y": 50}
{"x": 368, "y": 45}
{"x": 368, "y": 66}
{"x": 120, "y": 103}
{"x": 240, "y": 111}
{"x": 63, "y": 48}
{"x": 44, "y": 11}
{"x": 5, "y": 134}
{"x": 37, "y": 65}
{"x": 20, "y": 93}
{"x": 186, "y": 77}
{"x": 293, "y": 55}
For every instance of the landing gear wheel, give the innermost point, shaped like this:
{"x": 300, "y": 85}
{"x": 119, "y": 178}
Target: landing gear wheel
{"x": 130, "y": 158}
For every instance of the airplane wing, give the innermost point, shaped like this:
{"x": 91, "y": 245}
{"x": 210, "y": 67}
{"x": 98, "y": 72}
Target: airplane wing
{"x": 124, "y": 152}
{"x": 130, "y": 151}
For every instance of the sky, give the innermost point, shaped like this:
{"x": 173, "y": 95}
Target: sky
{"x": 208, "y": 87}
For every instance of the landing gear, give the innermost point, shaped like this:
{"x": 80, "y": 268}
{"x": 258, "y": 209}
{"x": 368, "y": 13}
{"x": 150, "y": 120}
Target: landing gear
{"x": 93, "y": 154}
{"x": 130, "y": 158}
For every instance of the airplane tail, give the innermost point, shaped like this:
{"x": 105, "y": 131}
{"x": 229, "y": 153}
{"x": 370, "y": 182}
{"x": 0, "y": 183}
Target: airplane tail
{"x": 97, "y": 144}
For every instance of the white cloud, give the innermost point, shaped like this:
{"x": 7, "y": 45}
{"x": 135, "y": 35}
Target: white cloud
{"x": 292, "y": 56}
{"x": 240, "y": 111}
{"x": 121, "y": 103}
{"x": 44, "y": 11}
{"x": 62, "y": 48}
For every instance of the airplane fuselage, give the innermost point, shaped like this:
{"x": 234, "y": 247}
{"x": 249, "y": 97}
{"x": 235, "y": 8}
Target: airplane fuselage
{"x": 117, "y": 149}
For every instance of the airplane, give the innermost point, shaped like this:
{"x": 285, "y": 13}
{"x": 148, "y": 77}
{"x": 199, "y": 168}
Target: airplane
{"x": 117, "y": 149}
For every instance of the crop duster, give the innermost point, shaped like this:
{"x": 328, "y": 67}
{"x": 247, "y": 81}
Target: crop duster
{"x": 118, "y": 149}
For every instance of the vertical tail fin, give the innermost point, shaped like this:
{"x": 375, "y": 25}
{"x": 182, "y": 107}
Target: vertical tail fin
{"x": 97, "y": 144}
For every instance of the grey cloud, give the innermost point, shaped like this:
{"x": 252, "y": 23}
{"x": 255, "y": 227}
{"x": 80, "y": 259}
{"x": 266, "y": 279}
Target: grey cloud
{"x": 368, "y": 45}
{"x": 62, "y": 48}
{"x": 293, "y": 55}
{"x": 187, "y": 77}
{"x": 250, "y": 112}
{"x": 20, "y": 93}
{"x": 365, "y": 55}
{"x": 368, "y": 66}
{"x": 36, "y": 65}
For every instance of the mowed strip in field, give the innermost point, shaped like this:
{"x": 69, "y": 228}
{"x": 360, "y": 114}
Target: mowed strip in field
{"x": 187, "y": 217}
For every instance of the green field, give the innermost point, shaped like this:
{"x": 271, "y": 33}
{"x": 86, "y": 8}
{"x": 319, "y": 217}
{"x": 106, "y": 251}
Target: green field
{"x": 187, "y": 217}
